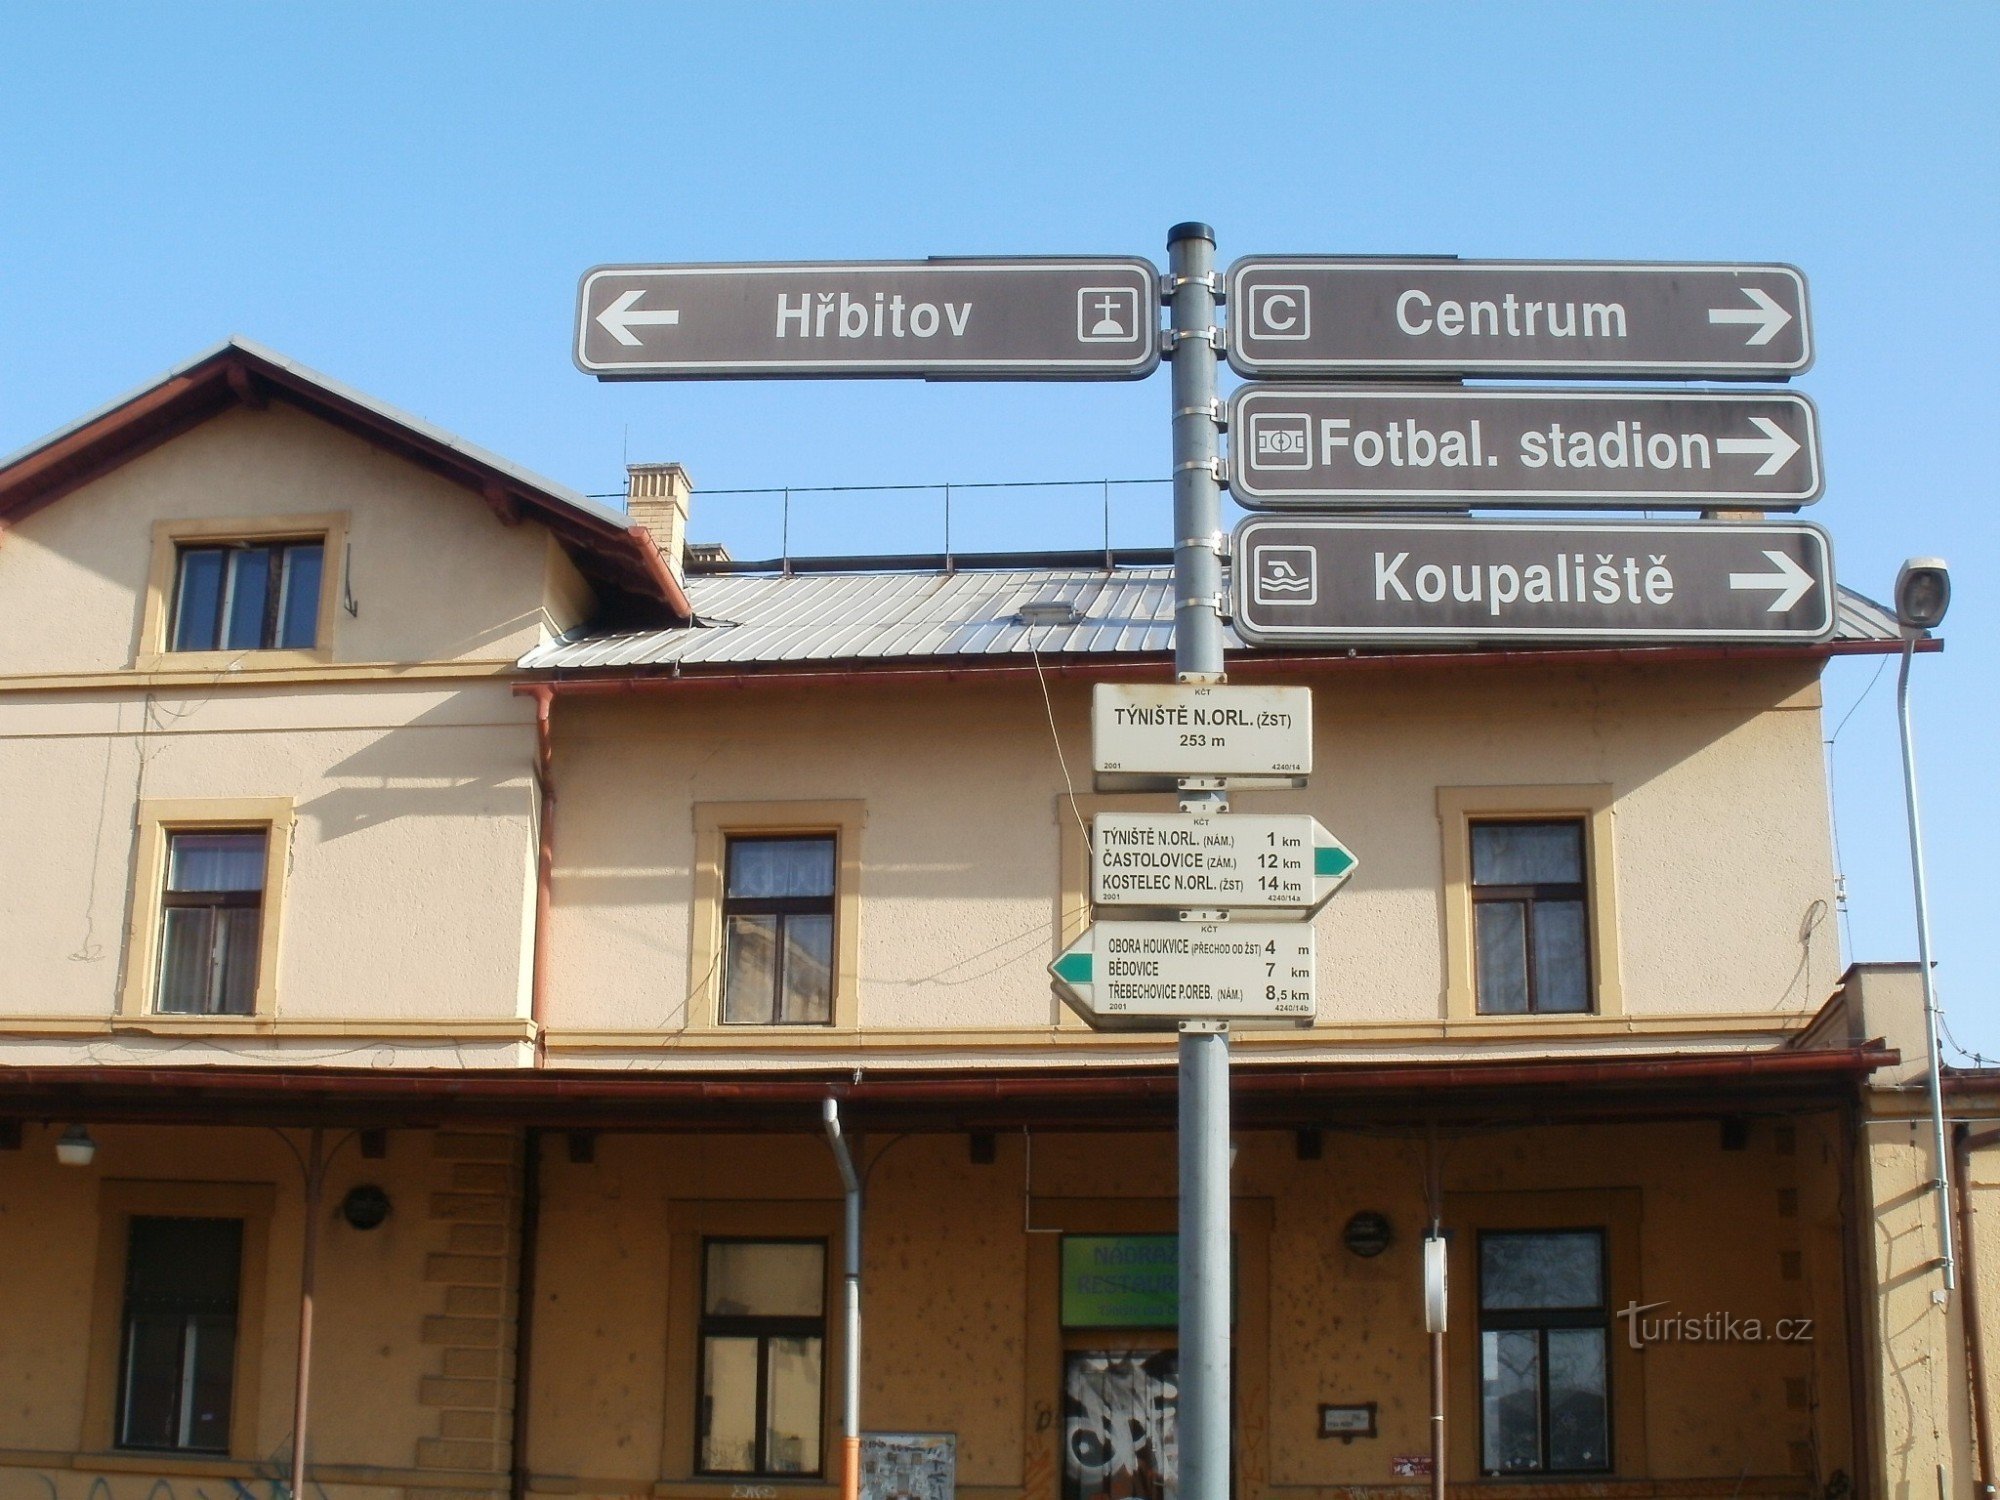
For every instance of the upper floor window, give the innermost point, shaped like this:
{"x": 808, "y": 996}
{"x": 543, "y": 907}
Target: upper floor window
{"x": 763, "y": 1339}
{"x": 247, "y": 596}
{"x": 178, "y": 1333}
{"x": 211, "y": 921}
{"x": 1531, "y": 920}
{"x": 1543, "y": 1385}
{"x": 777, "y": 918}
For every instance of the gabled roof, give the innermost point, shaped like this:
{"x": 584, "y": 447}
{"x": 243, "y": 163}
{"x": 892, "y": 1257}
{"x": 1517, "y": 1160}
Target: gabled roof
{"x": 605, "y": 546}
{"x": 967, "y": 614}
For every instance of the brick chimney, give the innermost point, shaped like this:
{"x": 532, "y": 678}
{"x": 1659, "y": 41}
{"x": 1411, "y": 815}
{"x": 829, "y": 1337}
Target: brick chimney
{"x": 656, "y": 497}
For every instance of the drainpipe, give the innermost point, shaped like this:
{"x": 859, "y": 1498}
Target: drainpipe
{"x": 1854, "y": 1227}
{"x": 850, "y": 1432}
{"x": 545, "y": 862}
{"x": 315, "y": 1175}
{"x": 1964, "y": 1143}
{"x": 524, "y": 1309}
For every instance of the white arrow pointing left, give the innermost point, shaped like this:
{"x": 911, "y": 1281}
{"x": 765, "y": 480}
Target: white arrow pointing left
{"x": 1791, "y": 581}
{"x": 1777, "y": 445}
{"x": 1767, "y": 317}
{"x": 621, "y": 317}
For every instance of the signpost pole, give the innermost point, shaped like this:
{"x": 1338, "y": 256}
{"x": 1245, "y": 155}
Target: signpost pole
{"x": 1204, "y": 1045}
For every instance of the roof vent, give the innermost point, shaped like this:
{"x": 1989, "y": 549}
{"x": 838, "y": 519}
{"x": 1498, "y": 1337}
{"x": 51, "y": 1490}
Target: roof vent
{"x": 1049, "y": 612}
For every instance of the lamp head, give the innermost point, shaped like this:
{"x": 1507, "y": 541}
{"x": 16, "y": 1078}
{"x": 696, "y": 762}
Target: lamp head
{"x": 1923, "y": 592}
{"x": 76, "y": 1148}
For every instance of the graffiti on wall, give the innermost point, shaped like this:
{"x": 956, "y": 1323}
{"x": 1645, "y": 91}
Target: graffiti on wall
{"x": 1120, "y": 1429}
{"x": 272, "y": 1483}
{"x": 909, "y": 1465}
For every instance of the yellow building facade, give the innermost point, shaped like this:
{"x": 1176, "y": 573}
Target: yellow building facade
{"x": 443, "y": 908}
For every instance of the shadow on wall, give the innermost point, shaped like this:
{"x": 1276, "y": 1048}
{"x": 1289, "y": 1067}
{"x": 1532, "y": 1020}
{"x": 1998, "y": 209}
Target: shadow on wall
{"x": 447, "y": 762}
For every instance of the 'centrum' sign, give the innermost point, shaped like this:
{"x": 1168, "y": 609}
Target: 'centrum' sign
{"x": 1314, "y": 446}
{"x": 1146, "y": 737}
{"x": 1324, "y": 581}
{"x": 1022, "y": 319}
{"x": 1321, "y": 315}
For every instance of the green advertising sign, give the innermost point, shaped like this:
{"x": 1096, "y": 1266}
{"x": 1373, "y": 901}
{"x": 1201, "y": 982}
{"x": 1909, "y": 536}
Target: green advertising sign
{"x": 1120, "y": 1281}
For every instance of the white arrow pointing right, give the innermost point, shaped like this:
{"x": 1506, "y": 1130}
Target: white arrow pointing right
{"x": 1777, "y": 445}
{"x": 1791, "y": 581}
{"x": 1767, "y": 316}
{"x": 621, "y": 317}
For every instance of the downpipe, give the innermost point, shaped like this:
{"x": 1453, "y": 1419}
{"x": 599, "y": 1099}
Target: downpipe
{"x": 850, "y": 1181}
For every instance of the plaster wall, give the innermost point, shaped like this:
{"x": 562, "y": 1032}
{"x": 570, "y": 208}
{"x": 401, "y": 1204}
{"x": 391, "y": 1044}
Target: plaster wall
{"x": 410, "y": 879}
{"x": 1723, "y": 872}
{"x": 962, "y": 1326}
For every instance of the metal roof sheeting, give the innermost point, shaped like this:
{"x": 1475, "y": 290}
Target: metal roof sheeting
{"x": 764, "y": 619}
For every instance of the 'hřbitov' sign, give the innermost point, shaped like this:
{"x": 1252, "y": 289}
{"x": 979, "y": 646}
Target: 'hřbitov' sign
{"x": 1001, "y": 319}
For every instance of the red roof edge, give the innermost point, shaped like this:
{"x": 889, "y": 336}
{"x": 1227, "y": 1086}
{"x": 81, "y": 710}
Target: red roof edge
{"x": 620, "y": 556}
{"x": 1093, "y": 1097}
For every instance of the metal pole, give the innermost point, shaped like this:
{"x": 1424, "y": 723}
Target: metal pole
{"x": 1204, "y": 1045}
{"x": 1942, "y": 1182}
{"x": 1434, "y": 1201}
{"x": 308, "y": 1276}
{"x": 850, "y": 1432}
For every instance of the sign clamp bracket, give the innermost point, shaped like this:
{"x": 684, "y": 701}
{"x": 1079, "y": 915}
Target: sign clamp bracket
{"x": 1215, "y": 411}
{"x": 1169, "y": 284}
{"x": 1173, "y": 338}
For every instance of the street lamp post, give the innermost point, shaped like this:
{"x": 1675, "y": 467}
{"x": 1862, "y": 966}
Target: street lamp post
{"x": 1923, "y": 593}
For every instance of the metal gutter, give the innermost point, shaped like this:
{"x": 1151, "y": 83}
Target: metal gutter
{"x": 681, "y": 677}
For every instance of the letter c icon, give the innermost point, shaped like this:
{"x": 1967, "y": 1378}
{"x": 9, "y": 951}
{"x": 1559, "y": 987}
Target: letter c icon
{"x": 1278, "y": 311}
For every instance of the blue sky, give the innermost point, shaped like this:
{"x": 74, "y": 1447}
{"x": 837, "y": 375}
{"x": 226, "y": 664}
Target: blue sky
{"x": 403, "y": 197}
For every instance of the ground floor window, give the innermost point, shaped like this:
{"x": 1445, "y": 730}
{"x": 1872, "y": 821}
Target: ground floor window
{"x": 1543, "y": 1380}
{"x": 178, "y": 1345}
{"x": 1120, "y": 1424}
{"x": 763, "y": 1343}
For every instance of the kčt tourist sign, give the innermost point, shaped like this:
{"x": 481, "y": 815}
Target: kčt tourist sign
{"x": 1283, "y": 863}
{"x": 1002, "y": 319}
{"x": 1139, "y": 974}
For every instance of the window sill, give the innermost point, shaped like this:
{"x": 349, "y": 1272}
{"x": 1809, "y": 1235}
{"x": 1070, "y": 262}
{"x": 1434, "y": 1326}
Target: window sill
{"x": 231, "y": 661}
{"x": 157, "y": 1460}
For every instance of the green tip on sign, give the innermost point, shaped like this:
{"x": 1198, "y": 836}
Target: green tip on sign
{"x": 1073, "y": 967}
{"x": 1333, "y": 861}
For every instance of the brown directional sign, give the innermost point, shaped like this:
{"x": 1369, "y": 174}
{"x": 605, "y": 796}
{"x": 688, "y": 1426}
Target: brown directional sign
{"x": 1327, "y": 581}
{"x": 1307, "y": 315}
{"x": 1021, "y": 319}
{"x": 1384, "y": 446}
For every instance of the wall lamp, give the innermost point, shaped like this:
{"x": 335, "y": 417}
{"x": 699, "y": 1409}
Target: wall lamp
{"x": 76, "y": 1148}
